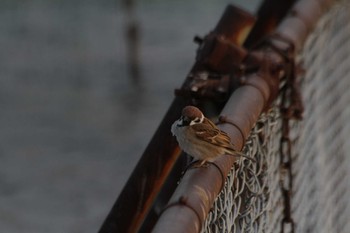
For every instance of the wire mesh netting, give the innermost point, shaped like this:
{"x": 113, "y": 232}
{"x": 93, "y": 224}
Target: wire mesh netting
{"x": 251, "y": 200}
{"x": 321, "y": 201}
{"x": 252, "y": 191}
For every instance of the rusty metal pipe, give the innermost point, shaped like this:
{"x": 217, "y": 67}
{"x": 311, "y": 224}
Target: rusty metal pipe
{"x": 301, "y": 20}
{"x": 147, "y": 179}
{"x": 270, "y": 13}
{"x": 198, "y": 189}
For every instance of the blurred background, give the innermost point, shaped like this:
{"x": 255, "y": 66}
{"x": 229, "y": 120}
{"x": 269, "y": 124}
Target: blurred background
{"x": 74, "y": 120}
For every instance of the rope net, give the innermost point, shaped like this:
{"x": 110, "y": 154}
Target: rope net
{"x": 252, "y": 189}
{"x": 252, "y": 199}
{"x": 321, "y": 195}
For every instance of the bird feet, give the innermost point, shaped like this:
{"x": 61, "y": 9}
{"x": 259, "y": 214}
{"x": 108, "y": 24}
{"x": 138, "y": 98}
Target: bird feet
{"x": 195, "y": 164}
{"x": 198, "y": 164}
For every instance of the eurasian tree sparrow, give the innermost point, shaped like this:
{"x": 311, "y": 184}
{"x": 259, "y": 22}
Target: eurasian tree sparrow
{"x": 200, "y": 138}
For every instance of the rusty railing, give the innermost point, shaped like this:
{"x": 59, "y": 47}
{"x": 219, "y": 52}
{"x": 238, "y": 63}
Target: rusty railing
{"x": 222, "y": 65}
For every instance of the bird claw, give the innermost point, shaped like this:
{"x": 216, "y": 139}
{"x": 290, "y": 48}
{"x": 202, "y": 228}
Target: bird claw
{"x": 197, "y": 164}
{"x": 203, "y": 163}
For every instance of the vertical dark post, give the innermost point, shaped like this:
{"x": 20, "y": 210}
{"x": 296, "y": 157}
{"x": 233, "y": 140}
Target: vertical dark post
{"x": 132, "y": 33}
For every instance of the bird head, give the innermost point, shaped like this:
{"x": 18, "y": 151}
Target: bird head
{"x": 190, "y": 116}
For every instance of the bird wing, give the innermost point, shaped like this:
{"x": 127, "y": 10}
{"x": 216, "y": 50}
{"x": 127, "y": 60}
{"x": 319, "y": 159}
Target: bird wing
{"x": 210, "y": 133}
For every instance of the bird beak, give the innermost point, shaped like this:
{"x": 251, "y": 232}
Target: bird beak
{"x": 183, "y": 121}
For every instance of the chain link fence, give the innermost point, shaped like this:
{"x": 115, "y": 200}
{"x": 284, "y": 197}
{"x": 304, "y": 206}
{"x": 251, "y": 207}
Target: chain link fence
{"x": 251, "y": 196}
{"x": 252, "y": 199}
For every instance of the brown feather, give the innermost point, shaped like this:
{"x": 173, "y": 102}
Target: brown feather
{"x": 212, "y": 134}
{"x": 209, "y": 132}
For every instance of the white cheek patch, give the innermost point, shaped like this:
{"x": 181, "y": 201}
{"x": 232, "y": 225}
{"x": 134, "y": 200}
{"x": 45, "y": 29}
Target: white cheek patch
{"x": 202, "y": 118}
{"x": 197, "y": 120}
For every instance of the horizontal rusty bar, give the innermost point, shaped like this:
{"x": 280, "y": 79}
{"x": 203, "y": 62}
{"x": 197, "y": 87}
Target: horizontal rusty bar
{"x": 199, "y": 187}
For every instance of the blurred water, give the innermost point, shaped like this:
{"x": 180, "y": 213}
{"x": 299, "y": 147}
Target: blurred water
{"x": 72, "y": 124}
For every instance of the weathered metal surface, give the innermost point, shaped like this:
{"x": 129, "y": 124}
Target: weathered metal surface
{"x": 269, "y": 15}
{"x": 196, "y": 193}
{"x": 218, "y": 58}
{"x": 301, "y": 20}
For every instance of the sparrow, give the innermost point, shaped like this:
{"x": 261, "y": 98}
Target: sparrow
{"x": 201, "y": 138}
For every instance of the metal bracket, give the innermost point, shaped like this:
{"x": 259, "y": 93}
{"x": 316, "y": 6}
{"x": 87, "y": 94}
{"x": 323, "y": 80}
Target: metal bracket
{"x": 218, "y": 58}
{"x": 220, "y": 62}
